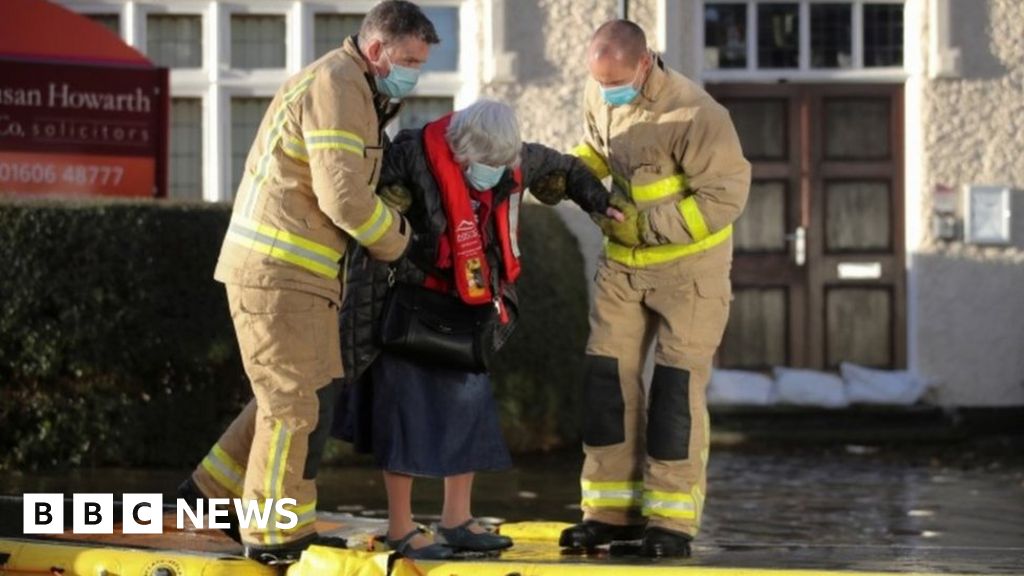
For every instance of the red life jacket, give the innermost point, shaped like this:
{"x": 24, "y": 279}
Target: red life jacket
{"x": 462, "y": 249}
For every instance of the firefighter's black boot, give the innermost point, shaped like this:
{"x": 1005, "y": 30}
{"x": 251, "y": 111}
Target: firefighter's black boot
{"x": 284, "y": 554}
{"x": 662, "y": 543}
{"x": 591, "y": 534}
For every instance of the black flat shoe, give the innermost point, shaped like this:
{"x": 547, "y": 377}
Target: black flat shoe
{"x": 461, "y": 538}
{"x": 662, "y": 543}
{"x": 591, "y": 534}
{"x": 433, "y": 551}
{"x": 284, "y": 554}
{"x": 189, "y": 492}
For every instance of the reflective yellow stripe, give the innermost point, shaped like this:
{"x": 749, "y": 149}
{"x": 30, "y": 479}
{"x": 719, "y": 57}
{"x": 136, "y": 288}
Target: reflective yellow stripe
{"x": 285, "y": 246}
{"x": 644, "y": 256}
{"x": 694, "y": 219}
{"x": 375, "y": 226}
{"x": 233, "y": 486}
{"x": 669, "y": 505}
{"x": 594, "y": 161}
{"x": 273, "y": 136}
{"x": 306, "y": 515}
{"x": 334, "y": 140}
{"x": 295, "y": 148}
{"x": 674, "y": 184}
{"x": 611, "y": 494}
{"x": 273, "y": 481}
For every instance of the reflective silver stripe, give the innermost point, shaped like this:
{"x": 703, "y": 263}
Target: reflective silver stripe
{"x": 612, "y": 495}
{"x": 513, "y": 221}
{"x": 368, "y": 235}
{"x": 224, "y": 469}
{"x": 669, "y": 505}
{"x": 273, "y": 537}
{"x": 275, "y": 242}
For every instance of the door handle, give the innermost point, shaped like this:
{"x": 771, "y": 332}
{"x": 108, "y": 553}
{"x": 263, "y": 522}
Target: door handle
{"x": 799, "y": 240}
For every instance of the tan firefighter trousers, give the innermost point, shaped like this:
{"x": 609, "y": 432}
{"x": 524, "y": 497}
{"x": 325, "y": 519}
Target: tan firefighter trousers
{"x": 291, "y": 351}
{"x": 646, "y": 458}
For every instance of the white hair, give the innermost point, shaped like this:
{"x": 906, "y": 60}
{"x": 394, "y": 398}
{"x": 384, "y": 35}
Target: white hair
{"x": 486, "y": 132}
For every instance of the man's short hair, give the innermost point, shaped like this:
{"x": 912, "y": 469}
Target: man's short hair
{"x": 394, "y": 20}
{"x": 621, "y": 38}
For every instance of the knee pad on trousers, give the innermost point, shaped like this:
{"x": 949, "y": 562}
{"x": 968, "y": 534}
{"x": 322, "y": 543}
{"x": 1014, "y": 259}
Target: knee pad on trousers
{"x": 327, "y": 398}
{"x": 603, "y": 419}
{"x": 668, "y": 417}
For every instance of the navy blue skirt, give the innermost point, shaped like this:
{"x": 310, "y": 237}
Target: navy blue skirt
{"x": 426, "y": 420}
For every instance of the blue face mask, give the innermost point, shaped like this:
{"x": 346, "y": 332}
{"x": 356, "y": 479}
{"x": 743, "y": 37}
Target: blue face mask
{"x": 621, "y": 95}
{"x": 400, "y": 80}
{"x": 482, "y": 176}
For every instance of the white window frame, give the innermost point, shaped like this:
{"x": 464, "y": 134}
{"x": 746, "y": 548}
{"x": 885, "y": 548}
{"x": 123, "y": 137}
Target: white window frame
{"x": 312, "y": 9}
{"x": 209, "y": 193}
{"x": 260, "y": 76}
{"x": 804, "y": 72}
{"x": 180, "y": 78}
{"x": 227, "y": 94}
{"x": 93, "y": 8}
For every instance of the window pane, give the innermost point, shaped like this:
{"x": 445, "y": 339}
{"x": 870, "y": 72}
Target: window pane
{"x": 444, "y": 57}
{"x": 762, "y": 226}
{"x": 257, "y": 41}
{"x": 761, "y": 125}
{"x": 186, "y": 170}
{"x": 174, "y": 40}
{"x": 725, "y": 36}
{"x": 778, "y": 35}
{"x": 857, "y": 128}
{"x": 857, "y": 217}
{"x": 859, "y": 324}
{"x": 757, "y": 332}
{"x": 246, "y": 115}
{"x": 883, "y": 35}
{"x": 418, "y": 111}
{"x": 831, "y": 36}
{"x": 111, "y": 22}
{"x": 330, "y": 30}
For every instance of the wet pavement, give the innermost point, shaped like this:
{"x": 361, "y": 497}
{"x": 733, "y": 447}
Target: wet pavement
{"x": 905, "y": 509}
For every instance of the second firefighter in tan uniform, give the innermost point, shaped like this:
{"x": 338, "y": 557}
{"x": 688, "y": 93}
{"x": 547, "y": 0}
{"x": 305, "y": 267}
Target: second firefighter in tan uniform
{"x": 307, "y": 192}
{"x": 671, "y": 150}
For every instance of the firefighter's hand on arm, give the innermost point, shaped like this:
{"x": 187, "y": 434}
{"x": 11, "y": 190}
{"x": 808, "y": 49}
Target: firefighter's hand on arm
{"x": 396, "y": 196}
{"x": 623, "y": 224}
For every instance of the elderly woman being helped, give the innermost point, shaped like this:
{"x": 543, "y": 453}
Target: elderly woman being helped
{"x": 426, "y": 419}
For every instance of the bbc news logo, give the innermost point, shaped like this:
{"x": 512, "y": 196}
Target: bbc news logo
{"x": 144, "y": 513}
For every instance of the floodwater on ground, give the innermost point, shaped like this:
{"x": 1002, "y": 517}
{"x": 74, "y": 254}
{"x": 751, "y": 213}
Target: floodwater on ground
{"x": 864, "y": 508}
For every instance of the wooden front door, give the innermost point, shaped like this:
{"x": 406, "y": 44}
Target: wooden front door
{"x": 819, "y": 272}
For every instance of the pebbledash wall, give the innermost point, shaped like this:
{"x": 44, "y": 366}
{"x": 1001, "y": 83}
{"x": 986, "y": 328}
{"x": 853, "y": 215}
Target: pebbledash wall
{"x": 968, "y": 301}
{"x": 963, "y": 77}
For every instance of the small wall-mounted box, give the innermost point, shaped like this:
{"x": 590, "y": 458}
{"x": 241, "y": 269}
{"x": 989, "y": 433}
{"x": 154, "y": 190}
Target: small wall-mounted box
{"x": 987, "y": 214}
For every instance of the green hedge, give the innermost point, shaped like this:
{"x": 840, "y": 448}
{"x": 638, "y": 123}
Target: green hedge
{"x": 116, "y": 346}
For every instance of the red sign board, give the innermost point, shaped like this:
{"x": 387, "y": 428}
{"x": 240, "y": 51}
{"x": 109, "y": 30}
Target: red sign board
{"x": 68, "y": 129}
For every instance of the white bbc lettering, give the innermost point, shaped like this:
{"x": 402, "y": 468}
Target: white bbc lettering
{"x": 42, "y": 514}
{"x": 142, "y": 513}
{"x": 219, "y": 508}
{"x": 194, "y": 516}
{"x": 93, "y": 513}
{"x": 293, "y": 518}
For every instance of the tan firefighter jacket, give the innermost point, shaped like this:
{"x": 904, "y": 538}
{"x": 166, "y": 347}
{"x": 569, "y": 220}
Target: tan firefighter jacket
{"x": 309, "y": 181}
{"x": 675, "y": 152}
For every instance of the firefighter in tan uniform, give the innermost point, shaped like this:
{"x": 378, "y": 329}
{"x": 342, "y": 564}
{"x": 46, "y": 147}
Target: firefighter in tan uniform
{"x": 678, "y": 173}
{"x": 306, "y": 194}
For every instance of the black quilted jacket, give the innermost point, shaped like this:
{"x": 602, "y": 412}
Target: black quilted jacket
{"x": 366, "y": 280}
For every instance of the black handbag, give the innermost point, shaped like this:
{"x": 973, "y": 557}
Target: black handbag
{"x": 437, "y": 329}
